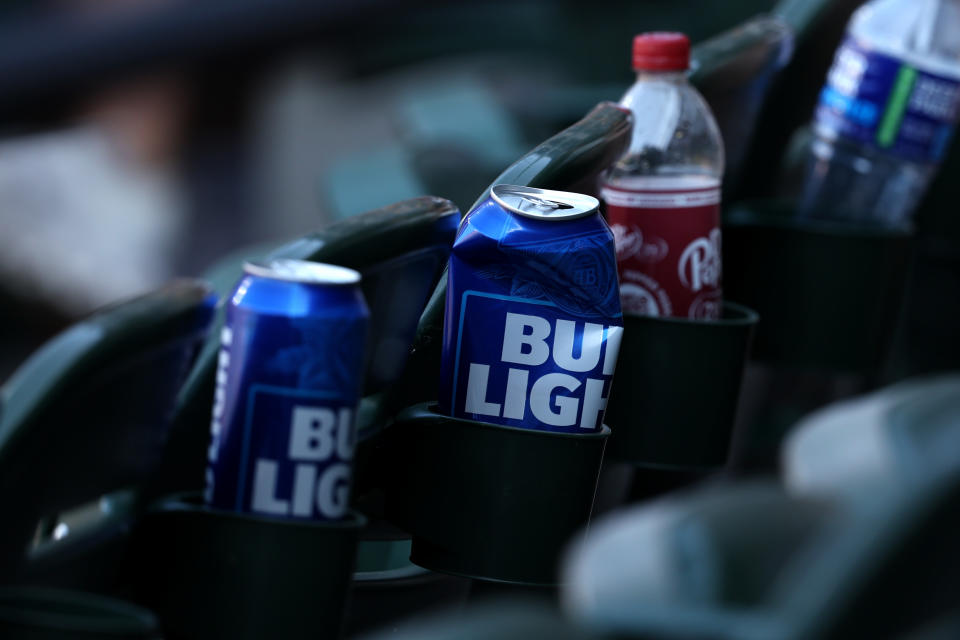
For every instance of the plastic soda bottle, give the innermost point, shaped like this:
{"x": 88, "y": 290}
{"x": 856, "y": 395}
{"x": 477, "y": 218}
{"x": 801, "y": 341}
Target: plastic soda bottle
{"x": 662, "y": 196}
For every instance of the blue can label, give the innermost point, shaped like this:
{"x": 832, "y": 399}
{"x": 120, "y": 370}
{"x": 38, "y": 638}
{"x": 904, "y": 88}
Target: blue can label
{"x": 533, "y": 322}
{"x": 295, "y": 454}
{"x": 876, "y": 99}
{"x": 529, "y": 364}
{"x": 283, "y": 432}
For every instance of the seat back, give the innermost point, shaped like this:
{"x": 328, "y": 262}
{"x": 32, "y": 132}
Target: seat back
{"x": 87, "y": 414}
{"x": 860, "y": 542}
{"x": 816, "y": 26}
{"x": 735, "y": 71}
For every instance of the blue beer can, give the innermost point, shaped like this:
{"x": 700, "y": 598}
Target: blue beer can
{"x": 533, "y": 323}
{"x": 288, "y": 382}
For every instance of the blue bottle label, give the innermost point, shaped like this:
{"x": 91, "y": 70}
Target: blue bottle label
{"x": 879, "y": 100}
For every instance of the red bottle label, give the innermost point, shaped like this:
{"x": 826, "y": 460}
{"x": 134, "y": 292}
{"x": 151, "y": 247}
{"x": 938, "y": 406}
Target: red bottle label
{"x": 668, "y": 246}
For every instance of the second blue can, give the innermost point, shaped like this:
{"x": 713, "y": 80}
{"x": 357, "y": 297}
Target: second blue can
{"x": 533, "y": 324}
{"x": 288, "y": 383}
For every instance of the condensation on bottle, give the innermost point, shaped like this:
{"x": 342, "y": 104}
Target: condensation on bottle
{"x": 886, "y": 113}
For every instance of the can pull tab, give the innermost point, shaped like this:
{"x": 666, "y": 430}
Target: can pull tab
{"x": 544, "y": 205}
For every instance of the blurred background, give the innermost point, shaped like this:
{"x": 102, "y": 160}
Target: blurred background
{"x": 143, "y": 139}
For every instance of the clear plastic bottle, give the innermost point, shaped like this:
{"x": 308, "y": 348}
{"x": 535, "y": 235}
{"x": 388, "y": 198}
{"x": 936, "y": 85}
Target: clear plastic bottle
{"x": 886, "y": 113}
{"x": 662, "y": 196}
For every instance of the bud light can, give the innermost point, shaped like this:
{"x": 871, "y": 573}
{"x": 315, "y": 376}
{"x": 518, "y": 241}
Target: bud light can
{"x": 533, "y": 323}
{"x": 288, "y": 383}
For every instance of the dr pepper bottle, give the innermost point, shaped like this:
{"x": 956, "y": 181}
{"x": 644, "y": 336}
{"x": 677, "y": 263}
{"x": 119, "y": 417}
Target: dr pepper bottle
{"x": 662, "y": 196}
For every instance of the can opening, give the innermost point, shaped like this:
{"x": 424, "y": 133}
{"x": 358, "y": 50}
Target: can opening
{"x": 544, "y": 204}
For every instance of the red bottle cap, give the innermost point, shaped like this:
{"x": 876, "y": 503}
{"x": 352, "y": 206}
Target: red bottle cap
{"x": 661, "y": 51}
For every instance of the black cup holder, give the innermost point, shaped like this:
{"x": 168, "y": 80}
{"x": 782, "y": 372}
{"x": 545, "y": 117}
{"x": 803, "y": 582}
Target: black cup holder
{"x": 210, "y": 573}
{"x": 490, "y": 502}
{"x": 674, "y": 396}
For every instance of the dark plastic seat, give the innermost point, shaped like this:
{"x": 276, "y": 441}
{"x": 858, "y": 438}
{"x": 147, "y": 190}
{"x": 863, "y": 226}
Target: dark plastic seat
{"x": 859, "y": 543}
{"x": 789, "y": 98}
{"x": 37, "y": 613}
{"x": 87, "y": 414}
{"x": 735, "y": 71}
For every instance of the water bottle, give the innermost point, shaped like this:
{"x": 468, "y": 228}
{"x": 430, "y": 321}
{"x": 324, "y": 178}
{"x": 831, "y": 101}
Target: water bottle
{"x": 886, "y": 113}
{"x": 662, "y": 197}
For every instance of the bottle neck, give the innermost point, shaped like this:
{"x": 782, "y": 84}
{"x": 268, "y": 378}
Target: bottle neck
{"x": 675, "y": 77}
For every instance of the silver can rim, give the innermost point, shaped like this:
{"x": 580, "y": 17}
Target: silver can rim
{"x": 578, "y": 205}
{"x": 302, "y": 271}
